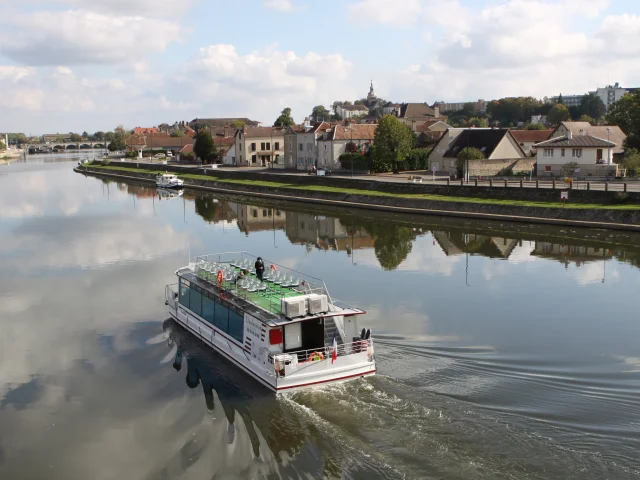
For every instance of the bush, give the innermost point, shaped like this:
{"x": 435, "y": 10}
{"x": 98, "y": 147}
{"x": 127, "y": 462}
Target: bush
{"x": 417, "y": 159}
{"x": 106, "y": 161}
{"x": 131, "y": 154}
{"x": 358, "y": 161}
{"x": 620, "y": 197}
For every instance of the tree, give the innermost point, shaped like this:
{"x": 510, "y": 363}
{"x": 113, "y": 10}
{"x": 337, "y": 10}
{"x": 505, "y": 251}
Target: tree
{"x": 586, "y": 118}
{"x": 237, "y": 124}
{"x": 2, "y": 146}
{"x": 631, "y": 161}
{"x": 509, "y": 111}
{"x": 559, "y": 113}
{"x": 204, "y": 147}
{"x": 351, "y": 147}
{"x": 592, "y": 105}
{"x": 560, "y": 100}
{"x": 178, "y": 132}
{"x": 75, "y": 137}
{"x": 284, "y": 120}
{"x": 206, "y": 207}
{"x": 626, "y": 114}
{"x": 17, "y": 138}
{"x": 319, "y": 113}
{"x": 570, "y": 168}
{"x": 466, "y": 154}
{"x": 535, "y": 126}
{"x": 392, "y": 143}
{"x": 118, "y": 139}
{"x": 85, "y": 135}
{"x": 99, "y": 136}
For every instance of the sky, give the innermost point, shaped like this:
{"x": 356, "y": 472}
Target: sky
{"x": 89, "y": 65}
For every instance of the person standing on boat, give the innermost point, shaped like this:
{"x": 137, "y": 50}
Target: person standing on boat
{"x": 259, "y": 268}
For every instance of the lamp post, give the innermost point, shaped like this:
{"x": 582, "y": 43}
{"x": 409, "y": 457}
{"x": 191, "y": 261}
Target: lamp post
{"x": 351, "y": 129}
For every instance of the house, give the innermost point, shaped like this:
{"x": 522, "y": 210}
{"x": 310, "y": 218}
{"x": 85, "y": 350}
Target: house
{"x": 528, "y": 138}
{"x": 325, "y": 233}
{"x": 612, "y": 93}
{"x": 539, "y": 119}
{"x": 229, "y": 156}
{"x": 252, "y": 218}
{"x": 157, "y": 141}
{"x": 260, "y": 146}
{"x": 414, "y": 114}
{"x": 611, "y": 133}
{"x": 306, "y": 144}
{"x": 435, "y": 125}
{"x": 479, "y": 106}
{"x": 593, "y": 155}
{"x": 333, "y": 142}
{"x": 291, "y": 143}
{"x": 350, "y": 111}
{"x": 56, "y": 137}
{"x": 501, "y": 150}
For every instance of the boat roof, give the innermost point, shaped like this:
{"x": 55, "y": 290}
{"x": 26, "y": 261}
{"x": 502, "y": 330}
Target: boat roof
{"x": 265, "y": 306}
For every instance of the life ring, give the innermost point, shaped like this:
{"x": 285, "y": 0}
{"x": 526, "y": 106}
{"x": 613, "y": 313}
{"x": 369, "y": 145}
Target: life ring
{"x": 220, "y": 277}
{"x": 316, "y": 356}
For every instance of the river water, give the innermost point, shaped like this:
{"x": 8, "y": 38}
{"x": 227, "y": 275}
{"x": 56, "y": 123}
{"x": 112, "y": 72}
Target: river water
{"x": 504, "y": 351}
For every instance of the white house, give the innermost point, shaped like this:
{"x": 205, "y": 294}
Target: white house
{"x": 593, "y": 155}
{"x": 229, "y": 158}
{"x": 259, "y": 146}
{"x": 350, "y": 111}
{"x": 306, "y": 144}
{"x": 334, "y": 142}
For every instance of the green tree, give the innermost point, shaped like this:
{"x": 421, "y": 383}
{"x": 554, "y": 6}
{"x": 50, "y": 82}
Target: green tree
{"x": 85, "y": 135}
{"x": 75, "y": 137}
{"x": 626, "y": 114}
{"x": 204, "y": 147}
{"x": 560, "y": 99}
{"x": 417, "y": 159}
{"x": 570, "y": 168}
{"x": 284, "y": 120}
{"x": 178, "y": 132}
{"x": 320, "y": 113}
{"x": 509, "y": 111}
{"x": 391, "y": 144}
{"x": 99, "y": 136}
{"x": 593, "y": 106}
{"x": 535, "y": 126}
{"x": 631, "y": 161}
{"x": 2, "y": 146}
{"x": 559, "y": 113}
{"x": 237, "y": 124}
{"x": 467, "y": 153}
{"x": 17, "y": 138}
{"x": 118, "y": 139}
{"x": 586, "y": 118}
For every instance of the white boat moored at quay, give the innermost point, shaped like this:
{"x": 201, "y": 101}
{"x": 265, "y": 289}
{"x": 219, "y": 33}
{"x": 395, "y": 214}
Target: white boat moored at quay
{"x": 169, "y": 180}
{"x": 284, "y": 330}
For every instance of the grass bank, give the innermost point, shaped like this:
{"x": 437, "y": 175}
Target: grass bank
{"x": 374, "y": 193}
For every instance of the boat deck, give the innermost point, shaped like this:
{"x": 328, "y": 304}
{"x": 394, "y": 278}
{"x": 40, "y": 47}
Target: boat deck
{"x": 262, "y": 299}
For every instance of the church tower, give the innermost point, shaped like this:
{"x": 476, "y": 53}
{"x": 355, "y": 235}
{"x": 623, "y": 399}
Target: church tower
{"x": 372, "y": 99}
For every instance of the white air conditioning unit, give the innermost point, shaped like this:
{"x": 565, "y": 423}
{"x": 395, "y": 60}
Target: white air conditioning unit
{"x": 293, "y": 307}
{"x": 317, "y": 303}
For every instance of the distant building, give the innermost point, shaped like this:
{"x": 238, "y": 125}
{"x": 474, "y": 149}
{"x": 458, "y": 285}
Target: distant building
{"x": 539, "y": 119}
{"x": 611, "y": 133}
{"x": 415, "y": 114}
{"x": 221, "y": 122}
{"x": 350, "y": 111}
{"x": 612, "y": 93}
{"x": 569, "y": 100}
{"x": 479, "y": 106}
{"x": 55, "y": 137}
{"x": 333, "y": 142}
{"x": 143, "y": 130}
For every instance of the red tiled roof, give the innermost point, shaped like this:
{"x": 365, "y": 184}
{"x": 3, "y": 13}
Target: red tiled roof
{"x": 531, "y": 135}
{"x": 576, "y": 141}
{"x": 262, "y": 132}
{"x": 141, "y": 130}
{"x": 354, "y": 131}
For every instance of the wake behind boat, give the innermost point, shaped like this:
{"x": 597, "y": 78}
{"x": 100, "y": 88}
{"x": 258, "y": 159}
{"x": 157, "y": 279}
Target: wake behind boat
{"x": 284, "y": 329}
{"x": 169, "y": 180}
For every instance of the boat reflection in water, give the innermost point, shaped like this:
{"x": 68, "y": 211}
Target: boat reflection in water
{"x": 164, "y": 193}
{"x": 264, "y": 435}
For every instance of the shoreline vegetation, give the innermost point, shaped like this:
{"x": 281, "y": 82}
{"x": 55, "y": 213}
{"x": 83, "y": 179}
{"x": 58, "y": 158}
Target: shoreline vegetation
{"x": 616, "y": 216}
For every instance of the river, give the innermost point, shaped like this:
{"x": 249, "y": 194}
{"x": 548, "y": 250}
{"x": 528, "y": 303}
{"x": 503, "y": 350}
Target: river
{"x": 504, "y": 351}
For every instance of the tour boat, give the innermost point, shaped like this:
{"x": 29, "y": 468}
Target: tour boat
{"x": 169, "y": 180}
{"x": 284, "y": 330}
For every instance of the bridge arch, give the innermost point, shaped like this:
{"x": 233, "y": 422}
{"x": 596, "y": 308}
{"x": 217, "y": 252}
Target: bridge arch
{"x": 59, "y": 147}
{"x": 72, "y": 146}
{"x": 85, "y": 146}
{"x": 98, "y": 145}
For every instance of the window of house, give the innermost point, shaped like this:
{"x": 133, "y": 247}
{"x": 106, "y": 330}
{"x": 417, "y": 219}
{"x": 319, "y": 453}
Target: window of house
{"x": 289, "y": 146}
{"x": 301, "y": 147}
{"x": 548, "y": 153}
{"x": 309, "y": 147}
{"x": 254, "y": 158}
{"x": 277, "y": 146}
{"x": 576, "y": 153}
{"x": 254, "y": 213}
{"x": 277, "y": 158}
{"x": 599, "y": 155}
{"x": 262, "y": 146}
{"x": 562, "y": 152}
{"x": 547, "y": 168}
{"x": 268, "y": 145}
{"x": 253, "y": 147}
{"x": 264, "y": 213}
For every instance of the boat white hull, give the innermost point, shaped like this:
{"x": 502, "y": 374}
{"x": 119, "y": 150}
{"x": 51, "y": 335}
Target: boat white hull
{"x": 306, "y": 374}
{"x": 170, "y": 185}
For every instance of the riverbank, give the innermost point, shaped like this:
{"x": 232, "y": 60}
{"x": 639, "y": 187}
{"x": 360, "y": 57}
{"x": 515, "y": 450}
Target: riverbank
{"x": 590, "y": 215}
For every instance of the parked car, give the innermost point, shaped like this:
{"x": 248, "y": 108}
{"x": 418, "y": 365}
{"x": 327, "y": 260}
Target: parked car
{"x": 322, "y": 171}
{"x": 159, "y": 155}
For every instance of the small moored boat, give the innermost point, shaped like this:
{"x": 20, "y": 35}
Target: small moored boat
{"x": 169, "y": 180}
{"x": 284, "y": 330}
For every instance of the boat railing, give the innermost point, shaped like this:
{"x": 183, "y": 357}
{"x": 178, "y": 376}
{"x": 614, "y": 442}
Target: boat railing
{"x": 323, "y": 353}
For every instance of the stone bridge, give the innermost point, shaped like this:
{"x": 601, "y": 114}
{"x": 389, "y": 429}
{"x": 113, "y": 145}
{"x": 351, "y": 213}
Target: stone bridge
{"x": 84, "y": 145}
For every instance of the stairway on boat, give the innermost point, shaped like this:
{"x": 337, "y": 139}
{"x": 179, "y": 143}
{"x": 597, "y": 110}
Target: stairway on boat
{"x": 329, "y": 329}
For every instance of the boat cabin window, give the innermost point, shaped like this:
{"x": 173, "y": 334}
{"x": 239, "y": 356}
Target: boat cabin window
{"x": 224, "y": 316}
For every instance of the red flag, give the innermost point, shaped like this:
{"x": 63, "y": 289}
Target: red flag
{"x": 334, "y": 353}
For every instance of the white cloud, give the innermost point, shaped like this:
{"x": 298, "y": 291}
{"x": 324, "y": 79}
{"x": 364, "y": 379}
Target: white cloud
{"x": 281, "y": 5}
{"x": 146, "y": 8}
{"x": 80, "y": 37}
{"x": 392, "y": 12}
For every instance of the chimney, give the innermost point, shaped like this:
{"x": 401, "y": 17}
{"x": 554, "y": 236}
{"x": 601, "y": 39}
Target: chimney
{"x": 569, "y": 135}
{"x": 582, "y": 133}
{"x": 307, "y": 122}
{"x": 436, "y": 111}
{"x": 244, "y": 129}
